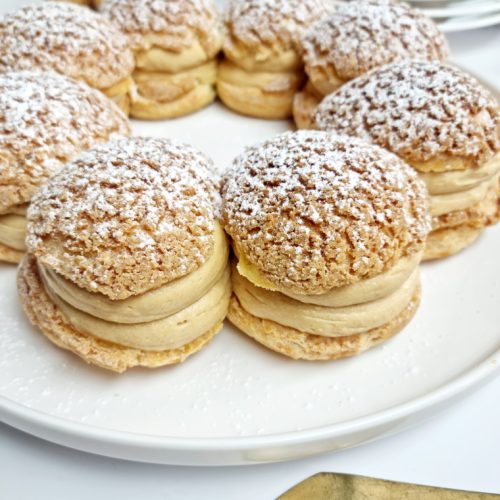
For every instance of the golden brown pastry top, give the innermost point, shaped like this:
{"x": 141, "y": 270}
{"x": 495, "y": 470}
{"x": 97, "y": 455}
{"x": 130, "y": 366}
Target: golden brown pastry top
{"x": 66, "y": 38}
{"x": 313, "y": 211}
{"x": 418, "y": 110}
{"x": 127, "y": 216}
{"x": 46, "y": 119}
{"x": 364, "y": 34}
{"x": 253, "y": 23}
{"x": 170, "y": 24}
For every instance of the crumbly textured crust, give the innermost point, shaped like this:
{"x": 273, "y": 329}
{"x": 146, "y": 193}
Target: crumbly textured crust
{"x": 43, "y": 313}
{"x": 175, "y": 24}
{"x": 449, "y": 241}
{"x": 11, "y": 255}
{"x": 46, "y": 120}
{"x": 364, "y": 34}
{"x": 300, "y": 345}
{"x": 313, "y": 211}
{"x": 127, "y": 216}
{"x": 418, "y": 110}
{"x": 65, "y": 38}
{"x": 253, "y": 23}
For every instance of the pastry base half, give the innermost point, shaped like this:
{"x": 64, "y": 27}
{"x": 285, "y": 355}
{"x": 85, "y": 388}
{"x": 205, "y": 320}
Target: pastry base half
{"x": 253, "y": 101}
{"x": 43, "y": 313}
{"x": 150, "y": 109}
{"x": 11, "y": 255}
{"x": 299, "y": 345}
{"x": 449, "y": 240}
{"x": 457, "y": 230}
{"x": 304, "y": 107}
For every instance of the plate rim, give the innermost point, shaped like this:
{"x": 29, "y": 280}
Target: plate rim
{"x": 482, "y": 371}
{"x": 465, "y": 23}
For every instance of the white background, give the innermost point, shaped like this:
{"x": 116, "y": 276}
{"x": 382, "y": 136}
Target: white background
{"x": 459, "y": 448}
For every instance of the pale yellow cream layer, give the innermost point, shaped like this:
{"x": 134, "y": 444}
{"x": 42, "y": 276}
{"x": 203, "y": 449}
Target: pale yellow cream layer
{"x": 363, "y": 291}
{"x": 267, "y": 81}
{"x": 324, "y": 82}
{"x": 163, "y": 52}
{"x": 319, "y": 320}
{"x": 166, "y": 87}
{"x": 262, "y": 58}
{"x": 461, "y": 200}
{"x": 160, "y": 59}
{"x": 369, "y": 290}
{"x": 152, "y": 305}
{"x": 119, "y": 89}
{"x": 451, "y": 181}
{"x": 171, "y": 332}
{"x": 13, "y": 231}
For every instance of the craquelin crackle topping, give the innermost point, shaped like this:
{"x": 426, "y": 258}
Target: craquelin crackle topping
{"x": 127, "y": 216}
{"x": 364, "y": 34}
{"x": 418, "y": 110}
{"x": 265, "y": 22}
{"x": 65, "y": 38}
{"x": 313, "y": 211}
{"x": 45, "y": 120}
{"x": 176, "y": 24}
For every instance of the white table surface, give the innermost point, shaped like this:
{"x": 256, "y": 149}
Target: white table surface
{"x": 459, "y": 448}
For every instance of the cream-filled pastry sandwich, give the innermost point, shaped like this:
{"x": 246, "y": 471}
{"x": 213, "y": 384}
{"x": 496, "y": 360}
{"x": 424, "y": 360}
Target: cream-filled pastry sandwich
{"x": 71, "y": 40}
{"x": 46, "y": 119}
{"x": 127, "y": 264}
{"x": 262, "y": 68}
{"x": 442, "y": 122}
{"x": 328, "y": 233}
{"x": 359, "y": 36}
{"x": 176, "y": 43}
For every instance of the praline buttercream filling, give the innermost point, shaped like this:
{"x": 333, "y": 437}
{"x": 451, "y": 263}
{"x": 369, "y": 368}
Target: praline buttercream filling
{"x": 162, "y": 75}
{"x": 149, "y": 306}
{"x": 321, "y": 320}
{"x": 454, "y": 190}
{"x": 13, "y": 228}
{"x": 167, "y": 87}
{"x": 357, "y": 308}
{"x": 267, "y": 81}
{"x": 161, "y": 319}
{"x": 171, "y": 332}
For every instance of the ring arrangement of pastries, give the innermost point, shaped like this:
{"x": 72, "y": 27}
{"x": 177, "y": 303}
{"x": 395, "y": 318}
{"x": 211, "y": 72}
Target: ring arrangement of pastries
{"x": 175, "y": 43}
{"x": 328, "y": 233}
{"x": 126, "y": 263}
{"x": 133, "y": 251}
{"x": 442, "y": 122}
{"x": 46, "y": 119}
{"x": 71, "y": 40}
{"x": 359, "y": 36}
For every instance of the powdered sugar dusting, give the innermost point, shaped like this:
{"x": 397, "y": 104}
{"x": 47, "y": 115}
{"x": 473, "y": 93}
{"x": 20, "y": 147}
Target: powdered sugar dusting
{"x": 127, "y": 216}
{"x": 365, "y": 34}
{"x": 256, "y": 22}
{"x": 174, "y": 23}
{"x": 418, "y": 110}
{"x": 315, "y": 211}
{"x": 65, "y": 38}
{"x": 45, "y": 120}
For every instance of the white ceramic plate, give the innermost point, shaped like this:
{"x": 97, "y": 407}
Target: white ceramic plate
{"x": 463, "y": 23}
{"x": 236, "y": 402}
{"x": 463, "y": 9}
